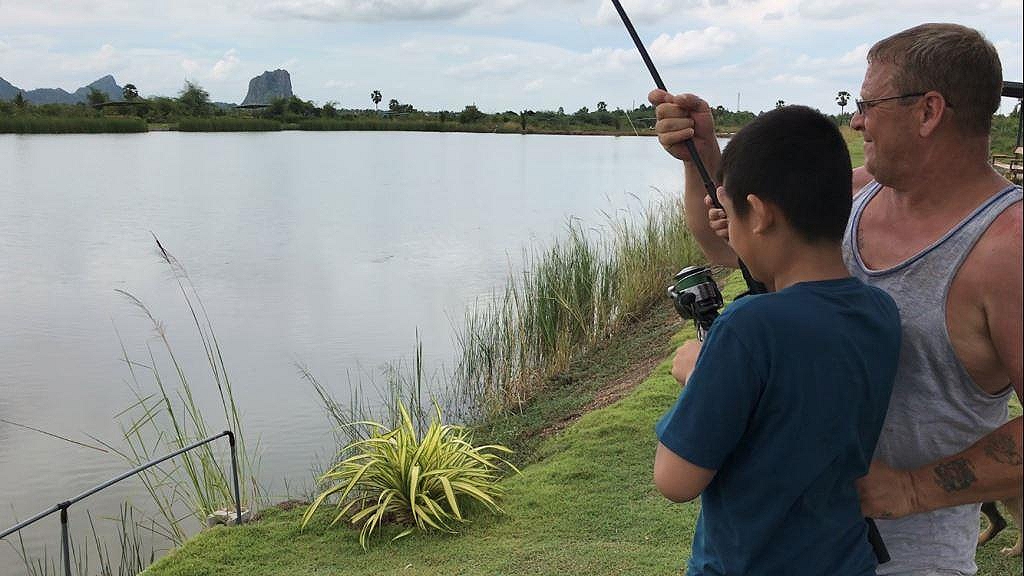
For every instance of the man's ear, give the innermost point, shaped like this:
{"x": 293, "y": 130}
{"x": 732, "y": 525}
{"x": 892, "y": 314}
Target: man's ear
{"x": 933, "y": 109}
{"x": 762, "y": 215}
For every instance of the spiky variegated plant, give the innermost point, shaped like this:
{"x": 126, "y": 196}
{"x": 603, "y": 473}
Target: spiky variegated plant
{"x": 396, "y": 476}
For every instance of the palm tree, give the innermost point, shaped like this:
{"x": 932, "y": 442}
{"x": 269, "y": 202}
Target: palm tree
{"x": 376, "y": 97}
{"x": 842, "y": 99}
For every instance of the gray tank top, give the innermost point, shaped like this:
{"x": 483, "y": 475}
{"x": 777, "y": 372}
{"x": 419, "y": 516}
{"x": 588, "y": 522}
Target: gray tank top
{"x": 936, "y": 409}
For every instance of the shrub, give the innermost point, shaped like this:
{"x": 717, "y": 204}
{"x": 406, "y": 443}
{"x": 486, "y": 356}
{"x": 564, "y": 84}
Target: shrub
{"x": 397, "y": 476}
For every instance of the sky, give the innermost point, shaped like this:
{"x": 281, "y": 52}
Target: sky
{"x": 496, "y": 54}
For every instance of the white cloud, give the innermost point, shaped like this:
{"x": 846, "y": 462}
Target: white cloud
{"x": 500, "y": 54}
{"x": 101, "y": 61}
{"x": 488, "y": 65}
{"x": 692, "y": 45}
{"x": 367, "y": 10}
{"x": 191, "y": 67}
{"x": 793, "y": 79}
{"x": 225, "y": 65}
{"x": 645, "y": 12}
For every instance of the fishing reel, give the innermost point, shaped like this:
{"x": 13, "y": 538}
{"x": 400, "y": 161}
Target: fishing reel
{"x": 696, "y": 297}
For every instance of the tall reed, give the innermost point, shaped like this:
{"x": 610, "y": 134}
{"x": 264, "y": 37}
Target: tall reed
{"x": 402, "y": 388}
{"x": 131, "y": 556}
{"x": 568, "y": 298}
{"x": 166, "y": 419}
{"x": 225, "y": 124}
{"x": 79, "y": 125}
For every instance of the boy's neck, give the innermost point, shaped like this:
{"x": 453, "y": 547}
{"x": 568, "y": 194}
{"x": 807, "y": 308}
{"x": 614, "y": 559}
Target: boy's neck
{"x": 802, "y": 262}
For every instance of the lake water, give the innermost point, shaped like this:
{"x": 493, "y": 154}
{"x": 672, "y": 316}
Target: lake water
{"x": 327, "y": 249}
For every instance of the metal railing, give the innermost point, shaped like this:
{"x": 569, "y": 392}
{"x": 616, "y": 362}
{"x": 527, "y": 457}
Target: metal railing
{"x": 63, "y": 507}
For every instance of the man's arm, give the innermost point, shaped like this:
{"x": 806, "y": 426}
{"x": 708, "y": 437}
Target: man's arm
{"x": 991, "y": 469}
{"x": 683, "y": 117}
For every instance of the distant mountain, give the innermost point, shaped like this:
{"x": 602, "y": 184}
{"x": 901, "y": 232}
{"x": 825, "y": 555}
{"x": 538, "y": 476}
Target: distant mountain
{"x": 269, "y": 86}
{"x": 106, "y": 84}
{"x": 7, "y": 90}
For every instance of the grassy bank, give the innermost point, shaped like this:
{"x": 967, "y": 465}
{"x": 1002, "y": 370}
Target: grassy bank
{"x": 71, "y": 125}
{"x": 584, "y": 503}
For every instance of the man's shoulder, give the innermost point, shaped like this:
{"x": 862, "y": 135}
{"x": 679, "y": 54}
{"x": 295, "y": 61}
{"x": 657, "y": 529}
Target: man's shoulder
{"x": 996, "y": 256}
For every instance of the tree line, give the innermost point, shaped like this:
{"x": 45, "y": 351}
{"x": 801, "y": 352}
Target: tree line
{"x": 193, "y": 102}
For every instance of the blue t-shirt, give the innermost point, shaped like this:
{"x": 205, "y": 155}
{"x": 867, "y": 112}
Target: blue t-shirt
{"x": 786, "y": 402}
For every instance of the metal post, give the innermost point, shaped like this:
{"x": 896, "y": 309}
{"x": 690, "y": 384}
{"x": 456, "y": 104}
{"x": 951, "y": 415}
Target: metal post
{"x": 64, "y": 506}
{"x": 234, "y": 477}
{"x": 65, "y": 548}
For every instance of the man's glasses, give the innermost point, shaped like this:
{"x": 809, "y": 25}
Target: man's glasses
{"x": 864, "y": 105}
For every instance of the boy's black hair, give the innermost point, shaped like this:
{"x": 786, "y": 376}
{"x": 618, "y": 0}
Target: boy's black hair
{"x": 794, "y": 158}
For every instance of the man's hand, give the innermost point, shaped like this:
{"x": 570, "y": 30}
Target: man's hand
{"x": 684, "y": 361}
{"x": 683, "y": 117}
{"x": 886, "y": 492}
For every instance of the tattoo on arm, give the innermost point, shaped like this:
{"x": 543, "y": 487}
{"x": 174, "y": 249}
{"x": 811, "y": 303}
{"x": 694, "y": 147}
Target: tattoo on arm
{"x": 1003, "y": 449}
{"x": 954, "y": 475}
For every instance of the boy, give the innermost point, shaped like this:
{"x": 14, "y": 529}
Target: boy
{"x": 782, "y": 409}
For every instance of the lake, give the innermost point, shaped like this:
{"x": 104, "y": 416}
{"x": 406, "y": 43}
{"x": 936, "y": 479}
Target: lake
{"x": 331, "y": 250}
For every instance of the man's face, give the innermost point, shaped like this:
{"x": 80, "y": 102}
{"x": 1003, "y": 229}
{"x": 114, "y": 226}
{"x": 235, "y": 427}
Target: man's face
{"x": 884, "y": 125}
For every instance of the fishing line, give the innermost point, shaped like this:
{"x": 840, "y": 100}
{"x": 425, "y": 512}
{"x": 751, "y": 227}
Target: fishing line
{"x": 753, "y": 286}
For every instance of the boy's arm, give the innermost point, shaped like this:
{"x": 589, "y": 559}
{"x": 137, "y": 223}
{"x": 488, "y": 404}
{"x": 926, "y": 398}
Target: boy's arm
{"x": 676, "y": 478}
{"x": 711, "y": 415}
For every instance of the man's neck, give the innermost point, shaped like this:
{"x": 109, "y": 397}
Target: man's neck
{"x": 947, "y": 179}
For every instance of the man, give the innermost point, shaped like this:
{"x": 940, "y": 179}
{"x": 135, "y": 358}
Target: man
{"x": 937, "y": 228}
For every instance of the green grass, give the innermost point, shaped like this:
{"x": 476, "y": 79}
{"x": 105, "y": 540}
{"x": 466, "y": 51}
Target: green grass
{"x": 70, "y": 125}
{"x": 855, "y": 143}
{"x": 223, "y": 124}
{"x": 588, "y": 507}
{"x": 584, "y": 504}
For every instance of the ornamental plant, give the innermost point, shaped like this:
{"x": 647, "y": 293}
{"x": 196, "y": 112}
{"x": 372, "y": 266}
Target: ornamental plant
{"x": 398, "y": 477}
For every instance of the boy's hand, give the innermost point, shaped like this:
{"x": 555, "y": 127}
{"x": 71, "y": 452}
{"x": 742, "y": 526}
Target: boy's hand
{"x": 717, "y": 219}
{"x": 684, "y": 361}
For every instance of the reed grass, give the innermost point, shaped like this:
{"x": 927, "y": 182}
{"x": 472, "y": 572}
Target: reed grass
{"x": 569, "y": 298}
{"x": 131, "y": 556}
{"x": 388, "y": 124}
{"x": 403, "y": 388}
{"x": 72, "y": 125}
{"x": 166, "y": 419}
{"x": 224, "y": 124}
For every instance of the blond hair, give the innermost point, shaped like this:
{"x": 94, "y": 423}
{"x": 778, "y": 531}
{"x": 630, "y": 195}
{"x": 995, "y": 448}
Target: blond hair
{"x": 955, "y": 61}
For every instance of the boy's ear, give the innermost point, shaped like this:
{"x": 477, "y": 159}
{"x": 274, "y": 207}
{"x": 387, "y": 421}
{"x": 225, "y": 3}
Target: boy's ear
{"x": 762, "y": 215}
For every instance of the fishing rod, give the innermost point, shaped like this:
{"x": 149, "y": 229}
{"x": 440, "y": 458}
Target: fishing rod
{"x": 753, "y": 286}
{"x": 690, "y": 289}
